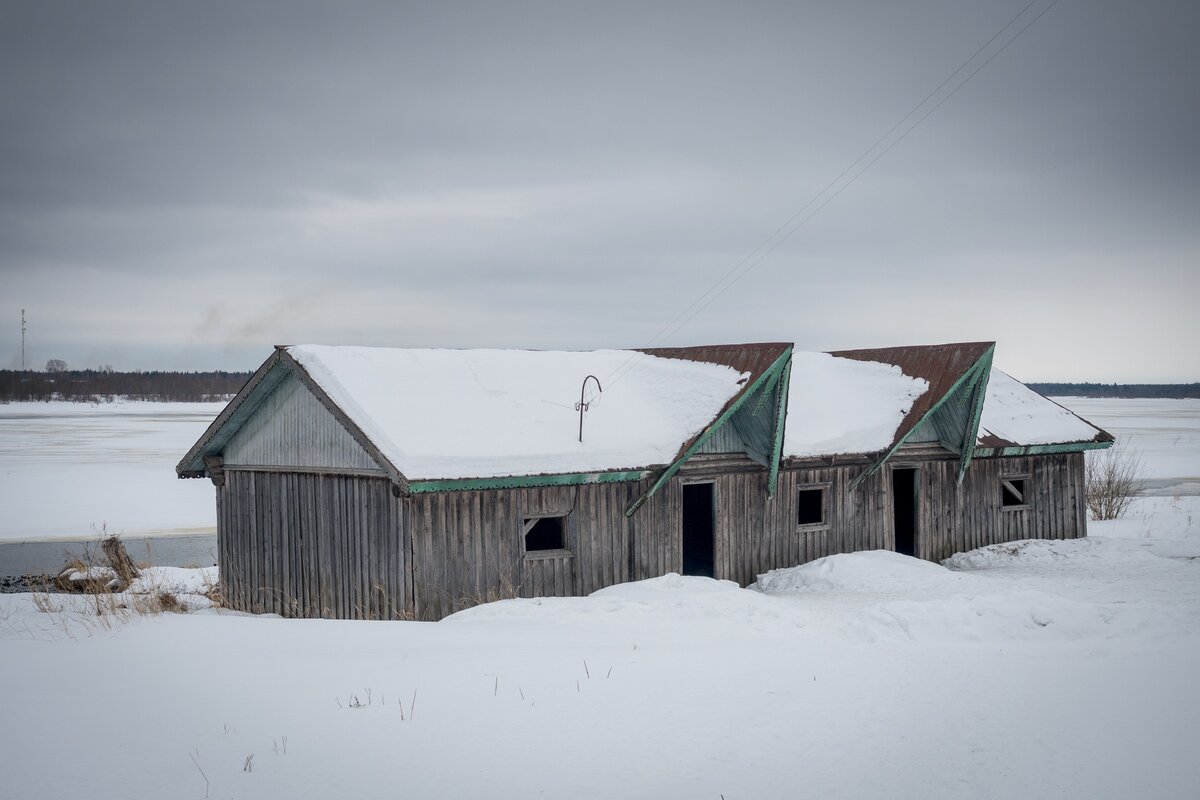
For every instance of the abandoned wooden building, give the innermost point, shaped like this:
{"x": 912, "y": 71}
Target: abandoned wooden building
{"x": 356, "y": 482}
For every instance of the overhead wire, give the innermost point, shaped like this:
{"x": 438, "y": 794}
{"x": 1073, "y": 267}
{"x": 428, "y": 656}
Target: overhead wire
{"x": 791, "y": 226}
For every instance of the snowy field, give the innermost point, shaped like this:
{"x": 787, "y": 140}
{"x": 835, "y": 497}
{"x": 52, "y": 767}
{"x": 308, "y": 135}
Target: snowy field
{"x": 1032, "y": 670}
{"x": 1036, "y": 670}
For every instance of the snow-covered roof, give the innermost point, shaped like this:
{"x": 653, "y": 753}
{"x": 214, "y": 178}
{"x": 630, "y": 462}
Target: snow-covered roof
{"x": 841, "y": 405}
{"x": 431, "y": 416}
{"x": 451, "y": 414}
{"x": 1015, "y": 415}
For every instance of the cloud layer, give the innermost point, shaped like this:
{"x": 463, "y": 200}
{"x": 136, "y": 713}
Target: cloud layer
{"x": 186, "y": 185}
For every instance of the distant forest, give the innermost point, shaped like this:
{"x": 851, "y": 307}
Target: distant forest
{"x": 90, "y": 386}
{"x": 99, "y": 385}
{"x": 1165, "y": 390}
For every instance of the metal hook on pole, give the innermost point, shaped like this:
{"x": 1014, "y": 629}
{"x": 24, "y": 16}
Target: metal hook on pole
{"x": 581, "y": 406}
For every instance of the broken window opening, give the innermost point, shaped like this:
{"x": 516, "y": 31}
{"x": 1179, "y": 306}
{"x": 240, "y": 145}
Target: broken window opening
{"x": 810, "y": 504}
{"x": 545, "y": 533}
{"x": 1012, "y": 492}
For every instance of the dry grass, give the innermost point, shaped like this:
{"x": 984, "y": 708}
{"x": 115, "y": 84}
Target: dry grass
{"x": 100, "y": 597}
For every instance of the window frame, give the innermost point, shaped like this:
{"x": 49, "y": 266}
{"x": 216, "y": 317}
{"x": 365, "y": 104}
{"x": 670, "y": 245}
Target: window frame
{"x": 1025, "y": 479}
{"x": 823, "y": 524}
{"x": 527, "y": 525}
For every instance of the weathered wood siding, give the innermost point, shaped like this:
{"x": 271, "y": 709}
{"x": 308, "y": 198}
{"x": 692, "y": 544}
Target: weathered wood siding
{"x": 293, "y": 429}
{"x": 306, "y": 545}
{"x": 754, "y": 534}
{"x": 958, "y": 518}
{"x": 468, "y": 547}
{"x": 302, "y": 544}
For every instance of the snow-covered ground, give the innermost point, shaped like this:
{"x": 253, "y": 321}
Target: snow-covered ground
{"x": 1045, "y": 669}
{"x": 69, "y": 469}
{"x": 1029, "y": 670}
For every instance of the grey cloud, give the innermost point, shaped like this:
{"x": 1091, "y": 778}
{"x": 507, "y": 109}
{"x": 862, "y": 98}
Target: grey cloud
{"x": 231, "y": 175}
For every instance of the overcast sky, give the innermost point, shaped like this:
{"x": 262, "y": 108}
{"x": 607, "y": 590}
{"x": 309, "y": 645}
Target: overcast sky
{"x": 184, "y": 185}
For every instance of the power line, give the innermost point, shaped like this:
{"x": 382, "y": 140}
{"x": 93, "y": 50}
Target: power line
{"x": 790, "y": 226}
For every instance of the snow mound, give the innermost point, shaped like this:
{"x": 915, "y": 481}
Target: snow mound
{"x": 1048, "y": 553}
{"x": 667, "y": 600}
{"x": 880, "y": 571}
{"x": 901, "y": 598}
{"x": 671, "y": 587}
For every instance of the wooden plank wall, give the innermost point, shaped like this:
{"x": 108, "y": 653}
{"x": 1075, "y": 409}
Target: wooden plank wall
{"x": 306, "y": 545}
{"x": 958, "y": 518}
{"x": 754, "y": 534}
{"x": 312, "y": 545}
{"x": 468, "y": 546}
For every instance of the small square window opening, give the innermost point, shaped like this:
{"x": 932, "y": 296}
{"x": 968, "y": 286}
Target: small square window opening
{"x": 1012, "y": 492}
{"x": 811, "y": 505}
{"x": 544, "y": 533}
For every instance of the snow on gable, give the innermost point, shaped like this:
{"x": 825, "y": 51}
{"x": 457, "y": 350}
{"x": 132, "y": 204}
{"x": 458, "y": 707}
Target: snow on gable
{"x": 841, "y": 405}
{"x": 447, "y": 414}
{"x": 1016, "y": 414}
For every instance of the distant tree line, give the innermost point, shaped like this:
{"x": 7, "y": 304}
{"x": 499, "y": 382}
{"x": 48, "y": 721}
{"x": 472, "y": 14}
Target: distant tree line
{"x": 99, "y": 385}
{"x": 1164, "y": 390}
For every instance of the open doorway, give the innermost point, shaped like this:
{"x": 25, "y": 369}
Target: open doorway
{"x": 904, "y": 510}
{"x": 698, "y": 529}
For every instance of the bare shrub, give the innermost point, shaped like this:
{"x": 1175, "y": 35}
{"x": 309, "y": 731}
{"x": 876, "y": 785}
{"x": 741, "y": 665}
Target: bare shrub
{"x": 1112, "y": 478}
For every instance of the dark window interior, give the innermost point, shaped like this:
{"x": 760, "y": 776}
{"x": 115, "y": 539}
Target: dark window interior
{"x": 698, "y": 529}
{"x": 1012, "y": 492}
{"x": 904, "y": 510}
{"x": 546, "y": 533}
{"x": 811, "y": 504}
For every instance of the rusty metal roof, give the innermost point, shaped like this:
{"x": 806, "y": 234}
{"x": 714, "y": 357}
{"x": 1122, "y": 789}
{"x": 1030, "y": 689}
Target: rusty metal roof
{"x": 940, "y": 365}
{"x": 755, "y": 358}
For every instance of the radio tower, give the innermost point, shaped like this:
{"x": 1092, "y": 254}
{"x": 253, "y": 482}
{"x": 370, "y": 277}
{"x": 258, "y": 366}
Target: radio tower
{"x": 22, "y": 340}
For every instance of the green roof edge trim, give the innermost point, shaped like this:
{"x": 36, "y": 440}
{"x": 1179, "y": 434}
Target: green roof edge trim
{"x": 770, "y": 373}
{"x": 780, "y": 418}
{"x": 519, "y": 481}
{"x": 971, "y": 435}
{"x": 1040, "y": 449}
{"x": 192, "y": 464}
{"x": 968, "y": 373}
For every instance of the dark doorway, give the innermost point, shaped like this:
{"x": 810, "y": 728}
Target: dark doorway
{"x": 904, "y": 510}
{"x": 698, "y": 529}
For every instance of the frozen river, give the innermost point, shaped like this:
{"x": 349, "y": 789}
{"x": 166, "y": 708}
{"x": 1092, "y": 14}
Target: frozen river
{"x": 69, "y": 471}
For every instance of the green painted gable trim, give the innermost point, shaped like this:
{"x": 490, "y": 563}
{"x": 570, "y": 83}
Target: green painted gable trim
{"x": 970, "y": 374}
{"x": 770, "y": 374}
{"x": 983, "y": 373}
{"x": 522, "y": 481}
{"x": 245, "y": 403}
{"x": 780, "y": 418}
{"x": 1040, "y": 449}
